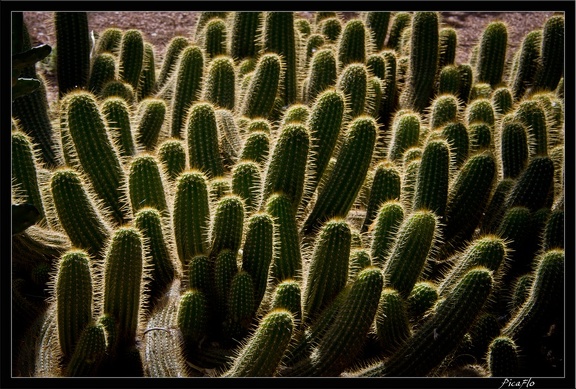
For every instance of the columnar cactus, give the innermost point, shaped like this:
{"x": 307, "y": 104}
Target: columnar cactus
{"x": 145, "y": 184}
{"x": 264, "y": 87}
{"x": 117, "y": 113}
{"x": 527, "y": 64}
{"x": 385, "y": 227}
{"x": 492, "y": 54}
{"x": 550, "y": 67}
{"x": 73, "y": 59}
{"x": 352, "y": 43}
{"x": 173, "y": 50}
{"x": 322, "y": 74}
{"x": 172, "y": 154}
{"x": 243, "y": 42}
{"x": 131, "y": 57}
{"x": 202, "y": 140}
{"x": 386, "y": 185}
{"x": 150, "y": 120}
{"x": 377, "y": 22}
{"x": 103, "y": 70}
{"x": 431, "y": 189}
{"x": 214, "y": 37}
{"x": 219, "y": 88}
{"x": 400, "y": 21}
{"x": 353, "y": 82}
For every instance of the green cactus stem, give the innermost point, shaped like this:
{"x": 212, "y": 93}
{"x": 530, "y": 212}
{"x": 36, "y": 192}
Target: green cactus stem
{"x": 447, "y": 41}
{"x": 533, "y": 185}
{"x": 352, "y": 43}
{"x": 219, "y": 88}
{"x": 392, "y": 324}
{"x": 431, "y": 189}
{"x": 116, "y": 88}
{"x": 389, "y": 218}
{"x": 131, "y": 58}
{"x": 422, "y": 298}
{"x": 492, "y": 54}
{"x": 117, "y": 113}
{"x": 95, "y": 152}
{"x": 449, "y": 80}
{"x": 150, "y": 120}
{"x": 386, "y": 186}
{"x": 353, "y": 82}
{"x": 73, "y": 42}
{"x": 191, "y": 215}
{"x": 263, "y": 87}
{"x": 551, "y": 64}
{"x": 503, "y": 360}
{"x": 457, "y": 136}
{"x": 331, "y": 29}
{"x": 243, "y": 41}
{"x": 109, "y": 41}
{"x": 406, "y": 133}
{"x": 400, "y": 21}
{"x": 215, "y": 36}
{"x": 147, "y": 81}
{"x": 514, "y": 149}
{"x": 444, "y": 109}
{"x": 322, "y": 74}
{"x": 173, "y": 50}
{"x": 247, "y": 183}
{"x": 287, "y": 295}
{"x": 103, "y": 70}
{"x": 123, "y": 276}
{"x": 346, "y": 178}
{"x": 466, "y": 79}
{"x": 240, "y": 307}
{"x": 89, "y": 353}
{"x": 172, "y": 154}
{"x": 527, "y": 65}
{"x": 202, "y": 139}
{"x": 533, "y": 117}
{"x": 377, "y": 22}
{"x": 187, "y": 87}
{"x": 192, "y": 316}
{"x": 74, "y": 300}
{"x": 256, "y": 147}
{"x": 263, "y": 352}
{"x": 328, "y": 272}
{"x": 145, "y": 184}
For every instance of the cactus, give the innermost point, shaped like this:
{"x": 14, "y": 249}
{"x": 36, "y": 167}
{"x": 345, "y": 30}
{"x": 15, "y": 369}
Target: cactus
{"x": 286, "y": 170}
{"x": 385, "y": 227}
{"x": 145, "y": 184}
{"x": 131, "y": 58}
{"x": 95, "y": 152}
{"x": 202, "y": 139}
{"x": 444, "y": 330}
{"x": 187, "y": 87}
{"x": 415, "y": 238}
{"x": 406, "y": 132}
{"x": 214, "y": 37}
{"x": 172, "y": 155}
{"x": 150, "y": 118}
{"x": 117, "y": 115}
{"x": 191, "y": 215}
{"x": 514, "y": 149}
{"x": 480, "y": 110}
{"x": 219, "y": 88}
{"x": 354, "y": 158}
{"x": 264, "y": 350}
{"x": 328, "y": 271}
{"x": 533, "y": 117}
{"x": 123, "y": 277}
{"x": 78, "y": 213}
{"x": 423, "y": 60}
{"x": 243, "y": 42}
{"x": 533, "y": 185}
{"x": 264, "y": 87}
{"x": 497, "y": 205}
{"x": 353, "y": 82}
{"x": 385, "y": 186}
{"x": 240, "y": 306}
{"x": 466, "y": 79}
{"x": 529, "y": 54}
{"x": 103, "y": 70}
{"x": 554, "y": 232}
{"x": 109, "y": 41}
{"x": 73, "y": 42}
{"x": 163, "y": 270}
{"x": 246, "y": 183}
{"x": 330, "y": 28}
{"x": 147, "y": 81}
{"x": 447, "y": 41}
{"x": 322, "y": 74}
{"x": 401, "y": 21}
{"x": 256, "y": 147}
{"x": 352, "y": 43}
{"x": 287, "y": 295}
{"x": 89, "y": 352}
{"x": 287, "y": 262}
{"x": 279, "y": 36}
{"x": 551, "y": 64}
{"x": 444, "y": 109}
{"x": 449, "y": 80}
{"x": 378, "y": 22}
{"x": 481, "y": 137}
{"x": 421, "y": 300}
{"x": 431, "y": 189}
{"x": 192, "y": 316}
{"x": 313, "y": 43}
{"x": 492, "y": 54}
{"x": 392, "y": 325}
{"x": 457, "y": 137}
{"x": 116, "y": 88}
{"x": 73, "y": 292}
{"x": 173, "y": 50}
{"x": 503, "y": 358}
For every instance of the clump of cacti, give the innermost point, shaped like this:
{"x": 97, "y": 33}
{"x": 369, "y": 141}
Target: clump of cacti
{"x": 289, "y": 196}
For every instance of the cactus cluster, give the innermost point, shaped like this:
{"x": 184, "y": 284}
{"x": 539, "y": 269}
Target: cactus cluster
{"x": 281, "y": 196}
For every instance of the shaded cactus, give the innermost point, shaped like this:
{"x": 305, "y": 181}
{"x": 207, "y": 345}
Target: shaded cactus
{"x": 89, "y": 353}
{"x": 287, "y": 295}
{"x": 246, "y": 183}
{"x": 145, "y": 184}
{"x": 457, "y": 137}
{"x": 330, "y": 28}
{"x": 481, "y": 137}
{"x": 117, "y": 113}
{"x": 73, "y": 42}
{"x": 172, "y": 154}
{"x": 400, "y": 21}
{"x": 378, "y": 22}
{"x": 313, "y": 43}
{"x": 192, "y": 316}
{"x": 480, "y": 110}
{"x": 263, "y": 87}
{"x": 228, "y": 225}
{"x": 503, "y": 358}
{"x": 514, "y": 149}
{"x": 392, "y": 324}
{"x": 219, "y": 88}
{"x": 502, "y": 101}
{"x": 187, "y": 88}
{"x": 551, "y": 64}
{"x": 109, "y": 41}
{"x": 256, "y": 147}
{"x": 243, "y": 42}
{"x": 554, "y": 232}
{"x": 353, "y": 82}
{"x": 214, "y": 36}
{"x": 147, "y": 81}
{"x": 466, "y": 79}
{"x": 447, "y": 41}
{"x": 150, "y": 120}
{"x": 173, "y": 50}
{"x": 352, "y": 43}
{"x": 386, "y": 186}
{"x": 406, "y": 133}
{"x": 492, "y": 54}
{"x": 351, "y": 168}
{"x": 533, "y": 117}
{"x": 117, "y": 88}
{"x": 191, "y": 215}
{"x": 322, "y": 74}
{"x": 497, "y": 206}
{"x": 202, "y": 138}
{"x": 131, "y": 58}
{"x": 526, "y": 65}
{"x": 103, "y": 70}
{"x": 444, "y": 109}
{"x": 431, "y": 189}
{"x": 385, "y": 227}
{"x": 533, "y": 185}
{"x": 449, "y": 80}
{"x": 421, "y": 300}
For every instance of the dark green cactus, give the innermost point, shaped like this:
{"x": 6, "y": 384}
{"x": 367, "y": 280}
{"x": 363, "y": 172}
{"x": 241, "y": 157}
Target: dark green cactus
{"x": 264, "y": 350}
{"x": 386, "y": 186}
{"x": 103, "y": 70}
{"x": 353, "y": 82}
{"x": 405, "y": 134}
{"x": 172, "y": 154}
{"x": 89, "y": 353}
{"x": 416, "y": 236}
{"x": 247, "y": 183}
{"x": 191, "y": 215}
{"x": 431, "y": 189}
{"x": 219, "y": 88}
{"x": 352, "y": 43}
{"x": 527, "y": 65}
{"x": 376, "y": 65}
{"x": 444, "y": 109}
{"x": 287, "y": 295}
{"x": 287, "y": 261}
{"x": 279, "y": 37}
{"x": 187, "y": 87}
{"x": 392, "y": 324}
{"x": 202, "y": 138}
{"x": 497, "y": 205}
{"x": 447, "y": 41}
{"x": 345, "y": 180}
{"x": 457, "y": 137}
{"x": 163, "y": 270}
{"x": 533, "y": 117}
{"x": 109, "y": 41}
{"x": 421, "y": 300}
{"x": 74, "y": 299}
{"x": 423, "y": 60}
{"x": 409, "y": 179}
{"x": 150, "y": 120}
{"x": 514, "y": 149}
{"x": 145, "y": 184}
{"x": 385, "y": 227}
{"x": 554, "y": 232}
{"x": 263, "y": 87}
{"x": 147, "y": 81}
{"x": 435, "y": 339}
{"x": 192, "y": 316}
{"x": 551, "y": 64}
{"x": 228, "y": 225}
{"x": 303, "y": 26}
{"x": 240, "y": 307}
{"x": 117, "y": 88}
{"x": 78, "y": 213}
{"x": 520, "y": 291}
{"x": 449, "y": 80}
{"x": 377, "y": 22}
{"x": 124, "y": 271}
{"x": 117, "y": 114}
{"x": 502, "y": 101}
{"x": 215, "y": 37}
{"x": 204, "y": 17}
{"x": 322, "y": 74}
{"x": 533, "y": 185}
{"x": 243, "y": 42}
{"x": 256, "y": 147}
{"x": 331, "y": 28}
{"x": 480, "y": 110}
{"x": 328, "y": 272}
{"x": 286, "y": 171}
{"x": 313, "y": 43}
{"x": 492, "y": 54}
{"x": 503, "y": 358}
{"x": 131, "y": 58}
{"x": 173, "y": 50}
{"x": 73, "y": 42}
{"x": 400, "y": 21}
{"x": 481, "y": 137}
{"x": 466, "y": 79}
{"x": 95, "y": 152}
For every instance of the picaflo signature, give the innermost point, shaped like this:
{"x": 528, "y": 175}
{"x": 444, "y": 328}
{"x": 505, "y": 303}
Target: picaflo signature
{"x": 511, "y": 383}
